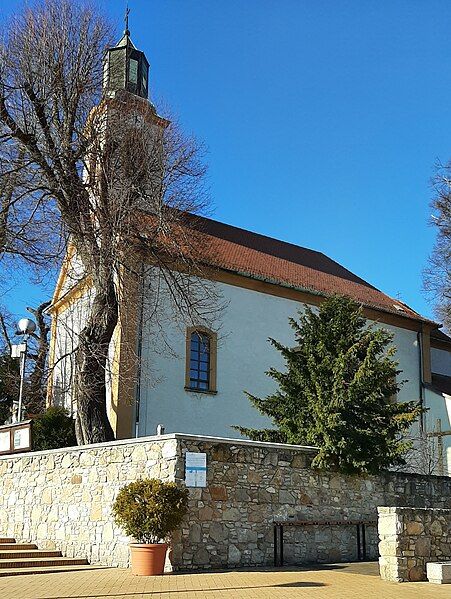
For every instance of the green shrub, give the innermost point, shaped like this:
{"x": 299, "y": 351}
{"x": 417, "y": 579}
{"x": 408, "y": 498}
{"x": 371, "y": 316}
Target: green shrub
{"x": 53, "y": 429}
{"x": 149, "y": 509}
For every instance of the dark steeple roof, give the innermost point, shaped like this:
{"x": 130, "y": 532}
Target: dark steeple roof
{"x": 126, "y": 68}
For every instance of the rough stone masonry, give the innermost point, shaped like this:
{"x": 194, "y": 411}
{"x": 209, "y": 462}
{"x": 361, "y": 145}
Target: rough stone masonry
{"x": 410, "y": 538}
{"x": 62, "y": 499}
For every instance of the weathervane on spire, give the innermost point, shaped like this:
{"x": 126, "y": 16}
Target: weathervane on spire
{"x": 127, "y": 12}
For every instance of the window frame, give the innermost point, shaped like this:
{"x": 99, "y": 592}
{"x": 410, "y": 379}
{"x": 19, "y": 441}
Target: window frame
{"x": 212, "y": 378}
{"x": 133, "y": 71}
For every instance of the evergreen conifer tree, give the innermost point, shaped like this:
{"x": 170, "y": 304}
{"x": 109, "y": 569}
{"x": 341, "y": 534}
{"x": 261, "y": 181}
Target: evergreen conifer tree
{"x": 338, "y": 392}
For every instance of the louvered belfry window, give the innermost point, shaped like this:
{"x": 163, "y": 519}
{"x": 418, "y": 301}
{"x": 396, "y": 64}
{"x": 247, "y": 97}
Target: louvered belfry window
{"x": 199, "y": 373}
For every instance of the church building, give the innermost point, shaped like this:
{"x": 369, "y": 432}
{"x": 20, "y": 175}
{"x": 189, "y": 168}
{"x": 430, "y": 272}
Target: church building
{"x": 190, "y": 377}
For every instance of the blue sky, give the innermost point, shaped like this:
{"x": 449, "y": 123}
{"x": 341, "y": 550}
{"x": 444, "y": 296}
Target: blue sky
{"x": 323, "y": 120}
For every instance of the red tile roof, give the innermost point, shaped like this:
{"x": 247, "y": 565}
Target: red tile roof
{"x": 259, "y": 257}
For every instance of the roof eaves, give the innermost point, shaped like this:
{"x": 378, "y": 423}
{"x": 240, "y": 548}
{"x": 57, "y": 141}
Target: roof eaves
{"x": 313, "y": 291}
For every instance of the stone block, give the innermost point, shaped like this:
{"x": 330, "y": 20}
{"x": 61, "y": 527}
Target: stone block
{"x": 195, "y": 533}
{"x": 299, "y": 461}
{"x": 416, "y": 573}
{"x": 205, "y": 514}
{"x": 387, "y": 525}
{"x": 201, "y": 557}
{"x": 254, "y": 477}
{"x": 218, "y": 493}
{"x": 232, "y": 514}
{"x": 305, "y": 499}
{"x": 286, "y": 497}
{"x": 436, "y": 528}
{"x": 414, "y": 528}
{"x": 234, "y": 554}
{"x": 47, "y": 496}
{"x": 246, "y": 535}
{"x": 423, "y": 547}
{"x": 439, "y": 572}
{"x": 216, "y": 532}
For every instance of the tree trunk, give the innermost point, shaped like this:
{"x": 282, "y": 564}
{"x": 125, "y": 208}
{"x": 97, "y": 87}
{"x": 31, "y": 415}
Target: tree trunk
{"x": 36, "y": 389}
{"x": 92, "y": 364}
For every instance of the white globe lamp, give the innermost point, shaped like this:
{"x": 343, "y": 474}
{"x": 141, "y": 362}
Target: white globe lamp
{"x": 26, "y": 326}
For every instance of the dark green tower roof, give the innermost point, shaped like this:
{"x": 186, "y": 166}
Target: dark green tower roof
{"x": 126, "y": 68}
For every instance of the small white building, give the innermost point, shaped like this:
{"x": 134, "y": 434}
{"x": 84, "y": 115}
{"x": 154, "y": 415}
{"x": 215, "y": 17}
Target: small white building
{"x": 191, "y": 376}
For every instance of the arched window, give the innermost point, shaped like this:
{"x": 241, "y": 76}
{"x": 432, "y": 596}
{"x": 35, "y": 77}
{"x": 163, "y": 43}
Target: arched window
{"x": 200, "y": 360}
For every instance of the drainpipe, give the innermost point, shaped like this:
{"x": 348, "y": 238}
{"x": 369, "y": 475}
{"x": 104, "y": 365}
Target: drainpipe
{"x": 421, "y": 358}
{"x": 139, "y": 353}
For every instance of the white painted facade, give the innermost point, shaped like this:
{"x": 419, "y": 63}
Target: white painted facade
{"x": 68, "y": 324}
{"x": 243, "y": 357}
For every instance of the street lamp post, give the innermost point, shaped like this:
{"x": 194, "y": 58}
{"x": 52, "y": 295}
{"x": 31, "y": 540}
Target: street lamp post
{"x": 25, "y": 327}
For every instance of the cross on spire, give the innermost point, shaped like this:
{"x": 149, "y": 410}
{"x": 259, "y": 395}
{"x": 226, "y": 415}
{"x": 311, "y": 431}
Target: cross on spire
{"x": 127, "y": 12}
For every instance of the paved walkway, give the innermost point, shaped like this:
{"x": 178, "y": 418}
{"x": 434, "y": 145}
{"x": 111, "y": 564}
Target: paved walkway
{"x": 341, "y": 581}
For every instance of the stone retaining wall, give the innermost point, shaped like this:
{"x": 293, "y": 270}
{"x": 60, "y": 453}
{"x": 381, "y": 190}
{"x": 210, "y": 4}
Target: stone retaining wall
{"x": 250, "y": 485}
{"x": 410, "y": 538}
{"x": 63, "y": 498}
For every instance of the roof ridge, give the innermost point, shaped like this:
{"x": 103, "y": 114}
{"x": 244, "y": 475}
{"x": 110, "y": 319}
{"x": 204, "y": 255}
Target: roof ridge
{"x": 307, "y": 257}
{"x": 269, "y": 237}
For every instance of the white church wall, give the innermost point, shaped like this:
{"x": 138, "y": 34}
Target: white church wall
{"x": 407, "y": 354}
{"x": 73, "y": 275}
{"x": 438, "y": 417}
{"x": 70, "y": 322}
{"x": 243, "y": 356}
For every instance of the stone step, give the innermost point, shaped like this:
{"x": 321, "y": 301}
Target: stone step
{"x": 41, "y": 562}
{"x": 17, "y": 546}
{"x": 21, "y": 554}
{"x": 7, "y": 540}
{"x": 47, "y": 570}
{"x": 439, "y": 572}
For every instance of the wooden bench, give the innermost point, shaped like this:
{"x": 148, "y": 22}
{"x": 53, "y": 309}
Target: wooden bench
{"x": 359, "y": 524}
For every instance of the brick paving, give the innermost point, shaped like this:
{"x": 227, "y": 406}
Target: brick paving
{"x": 340, "y": 581}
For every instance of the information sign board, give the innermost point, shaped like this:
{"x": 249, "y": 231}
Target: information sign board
{"x": 4, "y": 440}
{"x": 21, "y": 439}
{"x": 195, "y": 469}
{"x": 16, "y": 437}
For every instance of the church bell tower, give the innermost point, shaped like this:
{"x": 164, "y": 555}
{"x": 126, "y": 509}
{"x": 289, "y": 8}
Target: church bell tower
{"x": 126, "y": 68}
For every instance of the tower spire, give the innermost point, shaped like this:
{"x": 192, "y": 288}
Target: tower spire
{"x": 126, "y": 67}
{"x": 127, "y": 12}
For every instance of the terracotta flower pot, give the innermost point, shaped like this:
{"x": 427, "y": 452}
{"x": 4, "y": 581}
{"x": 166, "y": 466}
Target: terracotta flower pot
{"x": 148, "y": 560}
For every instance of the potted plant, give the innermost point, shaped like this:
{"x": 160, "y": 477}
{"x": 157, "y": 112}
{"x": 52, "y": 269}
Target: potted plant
{"x": 148, "y": 510}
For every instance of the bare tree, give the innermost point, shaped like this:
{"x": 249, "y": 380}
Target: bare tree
{"x": 438, "y": 273}
{"x": 424, "y": 457}
{"x": 37, "y": 381}
{"x": 124, "y": 181}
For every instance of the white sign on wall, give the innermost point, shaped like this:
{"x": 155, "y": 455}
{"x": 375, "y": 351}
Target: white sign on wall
{"x": 15, "y": 437}
{"x": 4, "y": 440}
{"x": 195, "y": 469}
{"x": 17, "y": 350}
{"x": 21, "y": 438}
